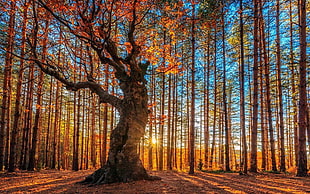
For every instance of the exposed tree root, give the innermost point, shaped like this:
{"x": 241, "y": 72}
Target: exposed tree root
{"x": 107, "y": 175}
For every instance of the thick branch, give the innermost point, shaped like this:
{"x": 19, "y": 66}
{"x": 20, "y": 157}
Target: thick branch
{"x": 132, "y": 27}
{"x": 104, "y": 96}
{"x": 120, "y": 70}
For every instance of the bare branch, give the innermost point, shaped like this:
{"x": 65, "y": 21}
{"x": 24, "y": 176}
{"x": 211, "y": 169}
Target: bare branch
{"x": 104, "y": 96}
{"x": 132, "y": 27}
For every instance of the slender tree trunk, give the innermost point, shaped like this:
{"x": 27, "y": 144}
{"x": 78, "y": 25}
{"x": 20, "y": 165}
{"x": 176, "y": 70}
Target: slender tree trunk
{"x": 56, "y": 122}
{"x": 32, "y": 152}
{"x": 59, "y": 129}
{"x": 77, "y": 97}
{"x": 302, "y": 119}
{"x": 193, "y": 96}
{"x": 244, "y": 163}
{"x": 221, "y": 137}
{"x": 37, "y": 118}
{"x": 174, "y": 123}
{"x": 227, "y": 129}
{"x": 264, "y": 132}
{"x": 207, "y": 104}
{"x": 215, "y": 102}
{"x": 279, "y": 83}
{"x": 268, "y": 96}
{"x": 66, "y": 149}
{"x": 28, "y": 118}
{"x": 5, "y": 113}
{"x": 294, "y": 101}
{"x": 162, "y": 119}
{"x": 17, "y": 111}
{"x": 152, "y": 121}
{"x": 169, "y": 159}
{"x": 93, "y": 135}
{"x": 255, "y": 93}
{"x": 181, "y": 123}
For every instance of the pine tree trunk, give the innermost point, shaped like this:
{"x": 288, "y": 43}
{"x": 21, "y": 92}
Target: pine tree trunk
{"x": 56, "y": 121}
{"x": 193, "y": 96}
{"x": 255, "y": 94}
{"x": 28, "y": 119}
{"x": 264, "y": 132}
{"x": 227, "y": 129}
{"x": 169, "y": 159}
{"x": 244, "y": 162}
{"x": 279, "y": 84}
{"x": 4, "y": 121}
{"x": 17, "y": 111}
{"x": 302, "y": 119}
{"x": 206, "y": 105}
{"x": 32, "y": 152}
{"x": 268, "y": 95}
{"x": 93, "y": 134}
{"x": 215, "y": 104}
{"x": 162, "y": 114}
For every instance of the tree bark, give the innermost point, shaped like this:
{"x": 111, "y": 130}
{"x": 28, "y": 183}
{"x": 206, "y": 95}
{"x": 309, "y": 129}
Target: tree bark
{"x": 5, "y": 114}
{"x": 268, "y": 95}
{"x": 123, "y": 164}
{"x": 244, "y": 162}
{"x": 162, "y": 113}
{"x": 207, "y": 104}
{"x": 17, "y": 110}
{"x": 264, "y": 132}
{"x": 255, "y": 94}
{"x": 302, "y": 119}
{"x": 279, "y": 84}
{"x": 227, "y": 129}
{"x": 215, "y": 101}
{"x": 32, "y": 152}
{"x": 192, "y": 121}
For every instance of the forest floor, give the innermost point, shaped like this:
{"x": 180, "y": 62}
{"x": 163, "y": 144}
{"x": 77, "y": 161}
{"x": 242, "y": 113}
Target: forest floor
{"x": 53, "y": 181}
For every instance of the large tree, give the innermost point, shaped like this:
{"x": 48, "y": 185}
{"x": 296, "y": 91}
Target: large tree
{"x": 94, "y": 24}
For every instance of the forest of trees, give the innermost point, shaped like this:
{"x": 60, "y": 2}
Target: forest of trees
{"x": 105, "y": 84}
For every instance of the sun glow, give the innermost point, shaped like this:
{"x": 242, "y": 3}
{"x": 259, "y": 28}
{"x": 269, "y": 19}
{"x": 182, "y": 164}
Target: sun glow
{"x": 154, "y": 140}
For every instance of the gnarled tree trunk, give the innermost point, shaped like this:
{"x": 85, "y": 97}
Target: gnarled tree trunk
{"x": 123, "y": 164}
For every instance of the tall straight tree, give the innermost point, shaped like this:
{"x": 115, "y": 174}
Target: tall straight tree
{"x": 227, "y": 130}
{"x": 76, "y": 130}
{"x": 267, "y": 79}
{"x": 279, "y": 84}
{"x": 215, "y": 100}
{"x": 35, "y": 131}
{"x": 28, "y": 118}
{"x": 242, "y": 104}
{"x": 255, "y": 92}
{"x": 17, "y": 110}
{"x": 302, "y": 119}
{"x": 193, "y": 96}
{"x": 206, "y": 102}
{"x": 162, "y": 111}
{"x": 264, "y": 132}
{"x": 5, "y": 114}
